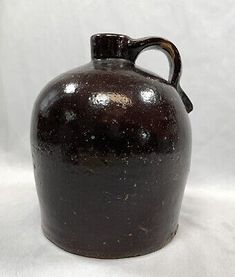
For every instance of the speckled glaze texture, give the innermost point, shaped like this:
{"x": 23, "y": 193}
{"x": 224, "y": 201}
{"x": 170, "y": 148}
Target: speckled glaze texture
{"x": 111, "y": 146}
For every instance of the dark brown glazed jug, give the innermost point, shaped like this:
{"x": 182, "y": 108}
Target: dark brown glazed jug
{"x": 111, "y": 146}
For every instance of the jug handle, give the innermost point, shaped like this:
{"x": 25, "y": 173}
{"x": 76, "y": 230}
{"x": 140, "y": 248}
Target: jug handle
{"x": 173, "y": 55}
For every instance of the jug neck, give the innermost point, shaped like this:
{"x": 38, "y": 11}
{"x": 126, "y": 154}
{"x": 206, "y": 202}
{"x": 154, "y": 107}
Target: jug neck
{"x": 106, "y": 46}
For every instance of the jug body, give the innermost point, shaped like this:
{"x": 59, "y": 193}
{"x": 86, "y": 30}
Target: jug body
{"x": 111, "y": 147}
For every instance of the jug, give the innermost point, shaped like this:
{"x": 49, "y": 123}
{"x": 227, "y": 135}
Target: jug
{"x": 111, "y": 148}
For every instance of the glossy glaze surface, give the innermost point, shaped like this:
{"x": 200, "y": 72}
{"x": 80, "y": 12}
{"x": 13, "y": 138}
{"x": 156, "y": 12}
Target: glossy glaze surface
{"x": 111, "y": 147}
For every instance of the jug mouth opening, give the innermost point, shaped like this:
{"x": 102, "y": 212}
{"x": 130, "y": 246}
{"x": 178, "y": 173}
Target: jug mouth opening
{"x": 108, "y": 35}
{"x": 109, "y": 45}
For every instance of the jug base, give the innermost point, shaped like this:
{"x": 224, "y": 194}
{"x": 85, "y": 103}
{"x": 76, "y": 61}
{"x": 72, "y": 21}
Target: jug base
{"x": 98, "y": 254}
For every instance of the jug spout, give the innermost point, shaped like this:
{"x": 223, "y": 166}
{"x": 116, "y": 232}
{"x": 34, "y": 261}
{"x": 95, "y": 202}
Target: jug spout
{"x": 104, "y": 46}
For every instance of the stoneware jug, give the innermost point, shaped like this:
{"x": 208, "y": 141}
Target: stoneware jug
{"x": 111, "y": 147}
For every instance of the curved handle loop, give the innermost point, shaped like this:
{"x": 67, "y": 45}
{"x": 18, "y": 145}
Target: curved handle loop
{"x": 173, "y": 55}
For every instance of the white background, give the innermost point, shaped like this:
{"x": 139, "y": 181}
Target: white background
{"x": 42, "y": 38}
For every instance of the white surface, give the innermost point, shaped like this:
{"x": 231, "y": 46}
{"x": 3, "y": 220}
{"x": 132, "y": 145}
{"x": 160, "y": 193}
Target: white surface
{"x": 43, "y": 38}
